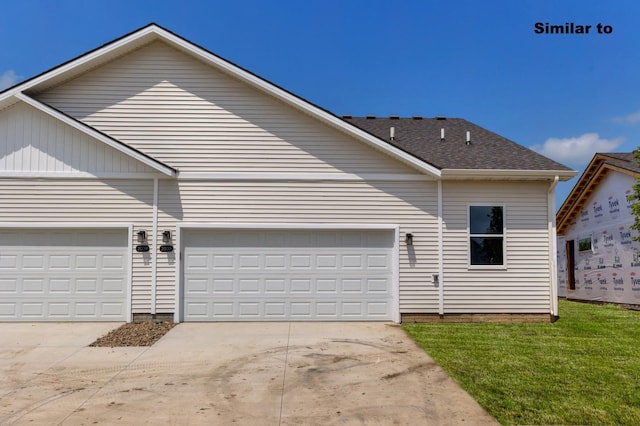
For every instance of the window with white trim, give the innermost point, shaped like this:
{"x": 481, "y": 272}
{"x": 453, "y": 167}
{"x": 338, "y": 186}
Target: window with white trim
{"x": 486, "y": 235}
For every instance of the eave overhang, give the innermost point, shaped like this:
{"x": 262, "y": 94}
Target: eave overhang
{"x": 507, "y": 174}
{"x": 595, "y": 172}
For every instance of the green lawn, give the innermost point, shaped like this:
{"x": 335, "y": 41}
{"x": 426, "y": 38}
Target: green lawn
{"x": 583, "y": 369}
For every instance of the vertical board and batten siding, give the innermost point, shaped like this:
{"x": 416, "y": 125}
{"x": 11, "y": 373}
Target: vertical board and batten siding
{"x": 32, "y": 141}
{"x": 196, "y": 118}
{"x": 408, "y": 204}
{"x": 523, "y": 287}
{"x": 76, "y": 201}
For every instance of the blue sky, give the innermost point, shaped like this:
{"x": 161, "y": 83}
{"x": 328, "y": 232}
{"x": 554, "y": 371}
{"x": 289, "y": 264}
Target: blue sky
{"x": 564, "y": 95}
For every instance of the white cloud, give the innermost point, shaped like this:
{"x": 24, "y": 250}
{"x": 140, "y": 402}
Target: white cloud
{"x": 8, "y": 79}
{"x": 628, "y": 119}
{"x": 578, "y": 150}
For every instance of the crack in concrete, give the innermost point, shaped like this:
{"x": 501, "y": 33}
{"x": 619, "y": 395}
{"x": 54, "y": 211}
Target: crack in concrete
{"x": 284, "y": 374}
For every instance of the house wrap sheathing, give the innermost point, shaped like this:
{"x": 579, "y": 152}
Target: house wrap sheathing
{"x": 595, "y": 236}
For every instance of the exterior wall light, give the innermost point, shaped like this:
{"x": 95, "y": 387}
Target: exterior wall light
{"x": 408, "y": 239}
{"x": 166, "y": 237}
{"x": 142, "y": 236}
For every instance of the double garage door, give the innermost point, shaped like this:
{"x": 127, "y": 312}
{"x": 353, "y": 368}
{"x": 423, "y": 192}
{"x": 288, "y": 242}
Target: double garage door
{"x": 63, "y": 275}
{"x": 228, "y": 275}
{"x": 252, "y": 275}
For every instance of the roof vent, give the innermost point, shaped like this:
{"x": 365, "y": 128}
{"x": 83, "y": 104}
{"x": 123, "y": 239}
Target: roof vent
{"x": 371, "y": 117}
{"x": 468, "y": 141}
{"x": 394, "y": 117}
{"x": 392, "y": 133}
{"x": 440, "y": 117}
{"x": 442, "y": 134}
{"x": 417, "y": 117}
{"x": 347, "y": 116}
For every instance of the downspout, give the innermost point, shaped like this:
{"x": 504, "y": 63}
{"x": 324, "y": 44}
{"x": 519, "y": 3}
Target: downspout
{"x": 440, "y": 252}
{"x": 154, "y": 251}
{"x": 553, "y": 244}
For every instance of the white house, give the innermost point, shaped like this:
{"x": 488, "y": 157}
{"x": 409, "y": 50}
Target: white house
{"x": 152, "y": 177}
{"x": 597, "y": 257}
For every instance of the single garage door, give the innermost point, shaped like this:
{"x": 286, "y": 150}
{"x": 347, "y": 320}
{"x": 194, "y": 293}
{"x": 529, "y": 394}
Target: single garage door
{"x": 63, "y": 274}
{"x": 271, "y": 275}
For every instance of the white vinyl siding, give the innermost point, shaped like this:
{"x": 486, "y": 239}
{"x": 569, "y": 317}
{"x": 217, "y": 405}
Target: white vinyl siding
{"x": 407, "y": 204}
{"x": 523, "y": 287}
{"x": 198, "y": 119}
{"x": 32, "y": 141}
{"x": 80, "y": 201}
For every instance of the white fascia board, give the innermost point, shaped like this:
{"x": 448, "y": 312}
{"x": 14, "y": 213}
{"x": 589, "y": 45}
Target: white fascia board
{"x": 152, "y": 31}
{"x": 298, "y": 103}
{"x": 287, "y": 177}
{"x": 563, "y": 175}
{"x": 155, "y": 164}
{"x": 79, "y": 62}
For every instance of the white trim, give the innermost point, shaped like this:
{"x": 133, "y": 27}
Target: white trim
{"x": 80, "y": 61}
{"x": 289, "y": 225}
{"x": 299, "y": 103}
{"x": 271, "y": 176}
{"x": 129, "y": 307}
{"x": 4, "y": 174}
{"x": 485, "y": 174}
{"x": 90, "y": 225}
{"x": 63, "y": 225}
{"x": 553, "y": 247}
{"x": 154, "y": 32}
{"x": 95, "y": 134}
{"x": 395, "y": 315}
{"x": 178, "y": 289}
{"x": 503, "y": 235}
{"x": 395, "y": 276}
{"x": 154, "y": 254}
{"x": 440, "y": 252}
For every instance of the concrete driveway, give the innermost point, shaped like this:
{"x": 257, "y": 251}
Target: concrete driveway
{"x": 227, "y": 373}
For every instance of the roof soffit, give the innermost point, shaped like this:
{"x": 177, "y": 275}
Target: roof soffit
{"x": 595, "y": 172}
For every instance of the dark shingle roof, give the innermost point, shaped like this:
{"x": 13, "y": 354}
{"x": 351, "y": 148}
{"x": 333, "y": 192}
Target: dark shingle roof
{"x": 625, "y": 160}
{"x": 487, "y": 150}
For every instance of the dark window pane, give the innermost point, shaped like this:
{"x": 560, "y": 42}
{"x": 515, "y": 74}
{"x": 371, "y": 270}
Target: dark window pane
{"x": 485, "y": 219}
{"x": 486, "y": 251}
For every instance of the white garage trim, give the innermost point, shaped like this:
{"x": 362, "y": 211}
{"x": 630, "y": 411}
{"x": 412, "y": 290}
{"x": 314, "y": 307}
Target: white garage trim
{"x": 179, "y": 284}
{"x": 88, "y": 225}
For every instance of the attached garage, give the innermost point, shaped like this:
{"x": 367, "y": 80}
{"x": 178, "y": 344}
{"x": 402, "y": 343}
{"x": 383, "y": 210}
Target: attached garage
{"x": 289, "y": 274}
{"x": 64, "y": 274}
{"x": 152, "y": 178}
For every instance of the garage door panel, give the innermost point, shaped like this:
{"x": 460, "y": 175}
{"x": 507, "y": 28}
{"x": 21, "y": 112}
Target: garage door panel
{"x": 293, "y": 284}
{"x": 309, "y": 274}
{"x": 287, "y": 309}
{"x": 63, "y": 275}
{"x": 59, "y": 262}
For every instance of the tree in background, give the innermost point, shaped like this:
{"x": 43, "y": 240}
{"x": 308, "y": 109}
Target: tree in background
{"x": 635, "y": 197}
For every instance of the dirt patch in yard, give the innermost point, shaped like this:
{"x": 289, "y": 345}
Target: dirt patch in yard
{"x": 144, "y": 333}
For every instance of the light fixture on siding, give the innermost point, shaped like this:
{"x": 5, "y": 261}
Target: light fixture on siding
{"x": 408, "y": 239}
{"x": 166, "y": 237}
{"x": 142, "y": 236}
